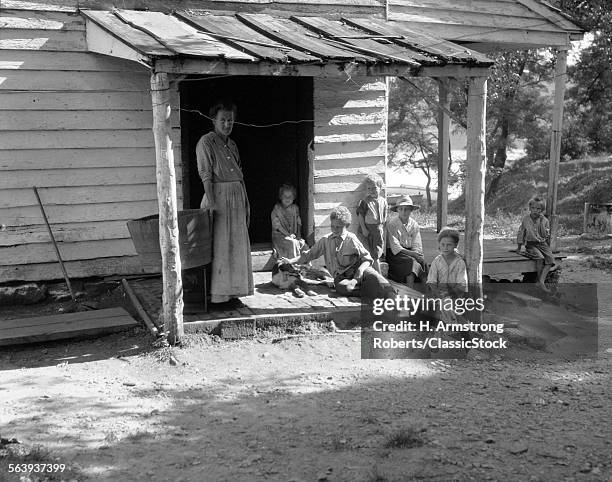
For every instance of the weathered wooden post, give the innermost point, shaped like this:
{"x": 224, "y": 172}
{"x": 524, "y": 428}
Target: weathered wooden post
{"x": 475, "y": 183}
{"x": 555, "y": 146}
{"x": 443, "y": 153}
{"x": 172, "y": 309}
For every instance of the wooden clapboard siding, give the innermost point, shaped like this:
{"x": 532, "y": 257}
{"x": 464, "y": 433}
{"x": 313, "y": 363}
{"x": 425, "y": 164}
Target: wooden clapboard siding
{"x": 44, "y": 252}
{"x": 19, "y": 19}
{"x": 99, "y": 101}
{"x": 74, "y": 61}
{"x": 35, "y": 120}
{"x": 28, "y": 80}
{"x": 67, "y": 195}
{"x": 120, "y": 265}
{"x": 66, "y": 232}
{"x": 59, "y": 158}
{"x": 350, "y": 131}
{"x": 78, "y": 213}
{"x": 78, "y": 126}
{"x": 56, "y": 40}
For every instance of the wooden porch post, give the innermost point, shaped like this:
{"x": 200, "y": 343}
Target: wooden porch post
{"x": 475, "y": 182}
{"x": 555, "y": 146}
{"x": 172, "y": 309}
{"x": 443, "y": 154}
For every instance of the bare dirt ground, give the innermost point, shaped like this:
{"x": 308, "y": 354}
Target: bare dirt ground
{"x": 308, "y": 408}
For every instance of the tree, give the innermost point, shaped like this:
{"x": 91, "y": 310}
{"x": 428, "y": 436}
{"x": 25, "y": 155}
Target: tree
{"x": 413, "y": 132}
{"x": 589, "y": 103}
{"x": 517, "y": 104}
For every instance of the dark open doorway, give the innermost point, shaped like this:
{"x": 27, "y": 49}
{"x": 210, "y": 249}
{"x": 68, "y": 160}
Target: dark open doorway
{"x": 270, "y": 155}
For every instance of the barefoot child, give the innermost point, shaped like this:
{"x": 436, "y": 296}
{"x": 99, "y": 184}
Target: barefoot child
{"x": 534, "y": 233}
{"x": 447, "y": 276}
{"x": 372, "y": 215}
{"x": 286, "y": 224}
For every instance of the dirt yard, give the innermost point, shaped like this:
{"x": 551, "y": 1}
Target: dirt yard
{"x": 309, "y": 409}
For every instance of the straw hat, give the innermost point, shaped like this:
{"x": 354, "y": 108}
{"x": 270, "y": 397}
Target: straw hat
{"x": 404, "y": 201}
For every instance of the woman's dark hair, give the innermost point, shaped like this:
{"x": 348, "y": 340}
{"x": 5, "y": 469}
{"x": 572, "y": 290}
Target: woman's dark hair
{"x": 224, "y": 104}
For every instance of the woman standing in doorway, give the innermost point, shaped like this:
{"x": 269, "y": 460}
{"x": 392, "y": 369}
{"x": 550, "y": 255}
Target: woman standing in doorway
{"x": 225, "y": 196}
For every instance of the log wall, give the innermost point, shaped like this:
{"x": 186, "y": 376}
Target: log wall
{"x": 350, "y": 143}
{"x": 78, "y": 126}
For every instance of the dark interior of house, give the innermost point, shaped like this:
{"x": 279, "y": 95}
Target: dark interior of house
{"x": 271, "y": 155}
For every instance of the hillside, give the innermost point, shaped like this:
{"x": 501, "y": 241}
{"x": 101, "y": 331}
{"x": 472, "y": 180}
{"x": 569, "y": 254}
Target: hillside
{"x": 580, "y": 181}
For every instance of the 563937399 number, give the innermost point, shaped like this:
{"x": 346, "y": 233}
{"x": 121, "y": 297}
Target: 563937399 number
{"x": 25, "y": 468}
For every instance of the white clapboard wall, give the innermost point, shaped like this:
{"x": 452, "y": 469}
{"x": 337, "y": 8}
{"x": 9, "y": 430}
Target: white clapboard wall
{"x": 78, "y": 126}
{"x": 350, "y": 143}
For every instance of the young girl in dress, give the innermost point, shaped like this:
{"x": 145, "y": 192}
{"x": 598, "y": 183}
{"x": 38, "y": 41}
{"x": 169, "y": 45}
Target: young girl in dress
{"x": 286, "y": 224}
{"x": 372, "y": 215}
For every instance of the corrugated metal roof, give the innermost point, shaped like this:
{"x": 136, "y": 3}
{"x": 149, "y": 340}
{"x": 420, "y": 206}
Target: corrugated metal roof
{"x": 251, "y": 38}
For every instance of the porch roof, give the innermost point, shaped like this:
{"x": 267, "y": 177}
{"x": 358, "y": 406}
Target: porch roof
{"x": 207, "y": 42}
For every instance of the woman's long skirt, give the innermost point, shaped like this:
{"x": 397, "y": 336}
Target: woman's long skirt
{"x": 232, "y": 271}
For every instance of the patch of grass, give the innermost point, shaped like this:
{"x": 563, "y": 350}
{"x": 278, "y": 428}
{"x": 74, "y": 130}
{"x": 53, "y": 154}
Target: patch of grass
{"x": 30, "y": 459}
{"x": 339, "y": 443}
{"x": 599, "y": 262}
{"x": 375, "y": 476}
{"x": 405, "y": 438}
{"x": 139, "y": 436}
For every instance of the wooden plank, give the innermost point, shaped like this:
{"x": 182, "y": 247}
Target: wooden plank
{"x": 67, "y": 232}
{"x": 135, "y": 100}
{"x": 43, "y": 40}
{"x": 45, "y": 253}
{"x": 65, "y": 326}
{"x": 298, "y": 37}
{"x": 179, "y": 36}
{"x": 47, "y": 6}
{"x": 349, "y": 150}
{"x": 123, "y": 265}
{"x": 79, "y": 195}
{"x": 64, "y": 318}
{"x": 22, "y": 80}
{"x": 258, "y": 45}
{"x": 17, "y": 120}
{"x": 475, "y": 182}
{"x": 418, "y": 38}
{"x": 66, "y": 61}
{"x": 550, "y": 14}
{"x": 491, "y": 21}
{"x": 350, "y": 172}
{"x": 350, "y": 133}
{"x": 555, "y": 146}
{"x": 386, "y": 51}
{"x": 335, "y": 117}
{"x": 79, "y": 213}
{"x": 78, "y": 177}
{"x": 59, "y": 158}
{"x": 468, "y": 33}
{"x": 116, "y": 27}
{"x": 41, "y": 20}
{"x": 333, "y": 68}
{"x": 172, "y": 305}
{"x": 443, "y": 153}
{"x": 481, "y": 6}
{"x": 75, "y": 139}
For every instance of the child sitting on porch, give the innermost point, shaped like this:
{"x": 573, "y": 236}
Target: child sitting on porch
{"x": 286, "y": 224}
{"x": 534, "y": 234}
{"x": 372, "y": 215}
{"x": 447, "y": 276}
{"x": 347, "y": 260}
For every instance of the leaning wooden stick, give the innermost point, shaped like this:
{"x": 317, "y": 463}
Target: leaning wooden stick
{"x": 141, "y": 311}
{"x": 59, "y": 256}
